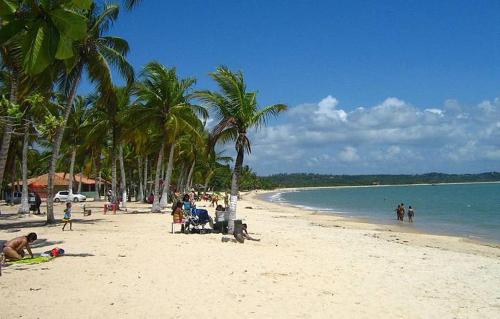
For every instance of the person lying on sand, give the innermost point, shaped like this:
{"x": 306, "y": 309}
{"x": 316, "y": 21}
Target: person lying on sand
{"x": 14, "y": 248}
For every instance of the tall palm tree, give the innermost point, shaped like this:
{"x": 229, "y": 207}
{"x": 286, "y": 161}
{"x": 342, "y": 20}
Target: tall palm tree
{"x": 96, "y": 53}
{"x": 107, "y": 124}
{"x": 33, "y": 110}
{"x": 236, "y": 111}
{"x": 33, "y": 35}
{"x": 75, "y": 133}
{"x": 164, "y": 103}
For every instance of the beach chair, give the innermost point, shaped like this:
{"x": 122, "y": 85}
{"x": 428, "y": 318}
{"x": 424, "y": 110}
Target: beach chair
{"x": 182, "y": 222}
{"x": 197, "y": 219}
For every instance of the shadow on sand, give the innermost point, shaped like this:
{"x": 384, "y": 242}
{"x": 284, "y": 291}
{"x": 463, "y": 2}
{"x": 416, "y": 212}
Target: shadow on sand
{"x": 43, "y": 223}
{"x": 79, "y": 255}
{"x": 42, "y": 242}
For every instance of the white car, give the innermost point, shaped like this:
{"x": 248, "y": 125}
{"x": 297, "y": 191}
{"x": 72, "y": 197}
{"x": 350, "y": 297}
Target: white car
{"x": 64, "y": 196}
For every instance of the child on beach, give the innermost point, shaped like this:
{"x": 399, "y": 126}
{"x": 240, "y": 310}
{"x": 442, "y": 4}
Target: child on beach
{"x": 67, "y": 217}
{"x": 178, "y": 214}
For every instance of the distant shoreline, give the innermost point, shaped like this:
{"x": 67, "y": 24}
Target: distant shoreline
{"x": 264, "y": 195}
{"x": 284, "y": 189}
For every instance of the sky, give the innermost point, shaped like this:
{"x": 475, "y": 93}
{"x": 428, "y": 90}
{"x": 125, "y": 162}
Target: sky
{"x": 372, "y": 86}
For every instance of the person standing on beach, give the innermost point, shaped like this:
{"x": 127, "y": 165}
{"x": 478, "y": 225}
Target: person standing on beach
{"x": 398, "y": 212}
{"x": 402, "y": 212}
{"x": 38, "y": 203}
{"x": 411, "y": 213}
{"x": 67, "y": 217}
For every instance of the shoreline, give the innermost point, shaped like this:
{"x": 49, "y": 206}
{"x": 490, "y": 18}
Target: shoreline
{"x": 383, "y": 185}
{"x": 369, "y": 224}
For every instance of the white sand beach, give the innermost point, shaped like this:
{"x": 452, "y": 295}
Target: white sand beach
{"x": 306, "y": 266}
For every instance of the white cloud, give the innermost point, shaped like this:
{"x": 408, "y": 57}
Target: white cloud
{"x": 328, "y": 102}
{"x": 437, "y": 112}
{"x": 391, "y": 136}
{"x": 326, "y": 111}
{"x": 349, "y": 154}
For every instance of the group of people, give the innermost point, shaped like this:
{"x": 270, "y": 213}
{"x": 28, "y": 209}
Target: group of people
{"x": 400, "y": 213}
{"x": 214, "y": 199}
{"x": 183, "y": 206}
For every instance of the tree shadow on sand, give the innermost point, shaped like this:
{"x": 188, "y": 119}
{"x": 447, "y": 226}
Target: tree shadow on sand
{"x": 43, "y": 242}
{"x": 79, "y": 255}
{"x": 43, "y": 223}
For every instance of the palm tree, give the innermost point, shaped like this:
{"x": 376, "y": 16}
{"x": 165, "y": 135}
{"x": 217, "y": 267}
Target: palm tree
{"x": 108, "y": 126}
{"x": 33, "y": 109}
{"x": 130, "y": 4}
{"x": 164, "y": 103}
{"x": 26, "y": 46}
{"x": 75, "y": 133}
{"x": 96, "y": 54}
{"x": 212, "y": 164}
{"x": 236, "y": 111}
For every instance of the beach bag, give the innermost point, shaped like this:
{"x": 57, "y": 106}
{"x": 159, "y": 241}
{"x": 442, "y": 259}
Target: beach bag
{"x": 56, "y": 252}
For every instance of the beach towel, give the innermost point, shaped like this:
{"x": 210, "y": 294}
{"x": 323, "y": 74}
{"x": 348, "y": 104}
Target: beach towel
{"x": 31, "y": 261}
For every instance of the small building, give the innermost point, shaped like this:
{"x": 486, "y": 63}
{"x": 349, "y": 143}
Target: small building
{"x": 61, "y": 181}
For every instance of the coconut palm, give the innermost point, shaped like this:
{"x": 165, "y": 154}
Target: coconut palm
{"x": 75, "y": 133}
{"x": 33, "y": 109}
{"x": 33, "y": 35}
{"x": 107, "y": 126}
{"x": 97, "y": 54}
{"x": 164, "y": 104}
{"x": 212, "y": 163}
{"x": 236, "y": 111}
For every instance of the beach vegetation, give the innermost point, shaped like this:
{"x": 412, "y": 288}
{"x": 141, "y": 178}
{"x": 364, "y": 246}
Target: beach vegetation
{"x": 139, "y": 136}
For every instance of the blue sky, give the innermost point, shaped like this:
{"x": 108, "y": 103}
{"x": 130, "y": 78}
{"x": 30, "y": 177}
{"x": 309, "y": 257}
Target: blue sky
{"x": 341, "y": 67}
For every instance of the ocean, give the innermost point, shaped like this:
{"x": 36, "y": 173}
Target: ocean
{"x": 468, "y": 210}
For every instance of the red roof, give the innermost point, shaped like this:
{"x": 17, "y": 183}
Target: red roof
{"x": 60, "y": 179}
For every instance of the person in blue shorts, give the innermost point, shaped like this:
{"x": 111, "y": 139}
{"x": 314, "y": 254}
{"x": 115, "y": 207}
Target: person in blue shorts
{"x": 67, "y": 217}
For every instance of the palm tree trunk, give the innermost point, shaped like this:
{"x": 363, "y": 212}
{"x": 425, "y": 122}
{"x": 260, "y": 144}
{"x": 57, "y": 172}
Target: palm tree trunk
{"x": 57, "y": 146}
{"x": 113, "y": 177}
{"x": 185, "y": 178}
{"x": 80, "y": 183}
{"x": 140, "y": 194}
{"x": 168, "y": 177}
{"x": 71, "y": 172}
{"x": 25, "y": 208}
{"x": 180, "y": 180}
{"x": 97, "y": 196}
{"x": 156, "y": 208}
{"x": 189, "y": 180}
{"x": 7, "y": 135}
{"x": 235, "y": 183}
{"x": 15, "y": 185}
{"x": 207, "y": 180}
{"x": 162, "y": 176}
{"x": 123, "y": 183}
{"x": 146, "y": 176}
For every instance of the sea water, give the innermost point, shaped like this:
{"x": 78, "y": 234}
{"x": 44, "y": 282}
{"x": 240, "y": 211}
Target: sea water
{"x": 469, "y": 210}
